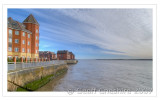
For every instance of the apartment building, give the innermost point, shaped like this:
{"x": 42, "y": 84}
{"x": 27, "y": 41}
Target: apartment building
{"x": 47, "y": 54}
{"x": 65, "y": 55}
{"x": 72, "y": 56}
{"x": 23, "y": 38}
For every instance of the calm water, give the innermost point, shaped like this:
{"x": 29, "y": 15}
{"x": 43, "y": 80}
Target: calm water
{"x": 132, "y": 75}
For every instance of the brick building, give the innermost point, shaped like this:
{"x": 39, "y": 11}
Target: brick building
{"x": 23, "y": 38}
{"x": 72, "y": 56}
{"x": 65, "y": 55}
{"x": 47, "y": 54}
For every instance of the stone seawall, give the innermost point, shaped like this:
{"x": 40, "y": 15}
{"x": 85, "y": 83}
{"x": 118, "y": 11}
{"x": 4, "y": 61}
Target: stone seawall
{"x": 20, "y": 78}
{"x": 71, "y": 61}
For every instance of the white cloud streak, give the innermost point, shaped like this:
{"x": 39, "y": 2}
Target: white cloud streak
{"x": 128, "y": 31}
{"x": 124, "y": 30}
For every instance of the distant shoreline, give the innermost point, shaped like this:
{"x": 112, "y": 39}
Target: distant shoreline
{"x": 123, "y": 59}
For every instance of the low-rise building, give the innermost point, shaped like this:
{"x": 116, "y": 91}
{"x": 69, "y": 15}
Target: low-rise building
{"x": 47, "y": 54}
{"x": 65, "y": 55}
{"x": 72, "y": 56}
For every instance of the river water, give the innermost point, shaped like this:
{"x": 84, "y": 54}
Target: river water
{"x": 131, "y": 75}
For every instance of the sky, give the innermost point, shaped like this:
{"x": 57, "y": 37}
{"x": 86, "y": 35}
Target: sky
{"x": 93, "y": 33}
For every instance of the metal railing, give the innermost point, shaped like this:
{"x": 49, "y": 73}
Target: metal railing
{"x": 18, "y": 66}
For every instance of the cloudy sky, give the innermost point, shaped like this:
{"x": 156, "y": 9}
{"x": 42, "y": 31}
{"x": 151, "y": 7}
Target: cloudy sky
{"x": 93, "y": 33}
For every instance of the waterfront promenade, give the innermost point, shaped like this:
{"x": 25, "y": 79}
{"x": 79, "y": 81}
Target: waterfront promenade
{"x": 33, "y": 75}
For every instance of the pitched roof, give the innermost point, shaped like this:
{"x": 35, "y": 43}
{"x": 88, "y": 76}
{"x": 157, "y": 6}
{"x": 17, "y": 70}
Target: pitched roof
{"x": 31, "y": 19}
{"x": 42, "y": 52}
{"x": 62, "y": 51}
{"x": 17, "y": 25}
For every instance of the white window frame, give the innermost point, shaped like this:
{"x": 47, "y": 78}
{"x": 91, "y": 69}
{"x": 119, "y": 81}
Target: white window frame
{"x": 23, "y": 50}
{"x": 10, "y": 32}
{"x": 23, "y": 41}
{"x": 16, "y": 49}
{"x": 23, "y": 33}
{"x": 10, "y": 57}
{"x": 28, "y": 42}
{"x": 28, "y": 50}
{"x": 36, "y": 51}
{"x": 28, "y": 35}
{"x": 16, "y": 32}
{"x": 36, "y": 30}
{"x": 36, "y": 37}
{"x": 16, "y": 40}
{"x": 36, "y": 44}
{"x": 9, "y": 48}
{"x": 10, "y": 40}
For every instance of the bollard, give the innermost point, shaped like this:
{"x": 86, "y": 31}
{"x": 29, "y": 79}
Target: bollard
{"x": 14, "y": 59}
{"x": 21, "y": 60}
{"x": 48, "y": 59}
{"x": 35, "y": 59}
{"x": 31, "y": 59}
{"x": 26, "y": 59}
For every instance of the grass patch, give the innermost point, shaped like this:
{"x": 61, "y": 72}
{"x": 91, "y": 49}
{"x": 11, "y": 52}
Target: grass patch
{"x": 32, "y": 86}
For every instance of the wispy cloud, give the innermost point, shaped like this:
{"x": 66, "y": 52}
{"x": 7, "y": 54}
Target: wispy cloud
{"x": 126, "y": 32}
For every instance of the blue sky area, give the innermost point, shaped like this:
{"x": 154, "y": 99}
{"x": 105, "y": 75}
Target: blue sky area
{"x": 93, "y": 33}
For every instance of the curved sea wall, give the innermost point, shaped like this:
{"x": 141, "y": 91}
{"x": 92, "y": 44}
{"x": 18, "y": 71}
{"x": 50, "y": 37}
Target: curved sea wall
{"x": 71, "y": 61}
{"x": 39, "y": 75}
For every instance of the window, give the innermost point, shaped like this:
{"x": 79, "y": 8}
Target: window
{"x": 23, "y": 50}
{"x": 36, "y": 30}
{"x": 28, "y": 43}
{"x": 16, "y": 49}
{"x": 10, "y": 40}
{"x": 17, "y": 32}
{"x": 16, "y": 57}
{"x": 10, "y": 32}
{"x": 36, "y": 37}
{"x": 28, "y": 35}
{"x": 28, "y": 50}
{"x": 37, "y": 44}
{"x": 16, "y": 40}
{"x": 23, "y": 41}
{"x": 36, "y": 51}
{"x": 10, "y": 57}
{"x": 10, "y": 49}
{"x": 23, "y": 33}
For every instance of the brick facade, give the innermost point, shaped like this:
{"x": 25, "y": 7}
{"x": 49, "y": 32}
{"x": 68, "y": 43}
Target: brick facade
{"x": 47, "y": 54}
{"x": 65, "y": 55}
{"x": 23, "y": 38}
